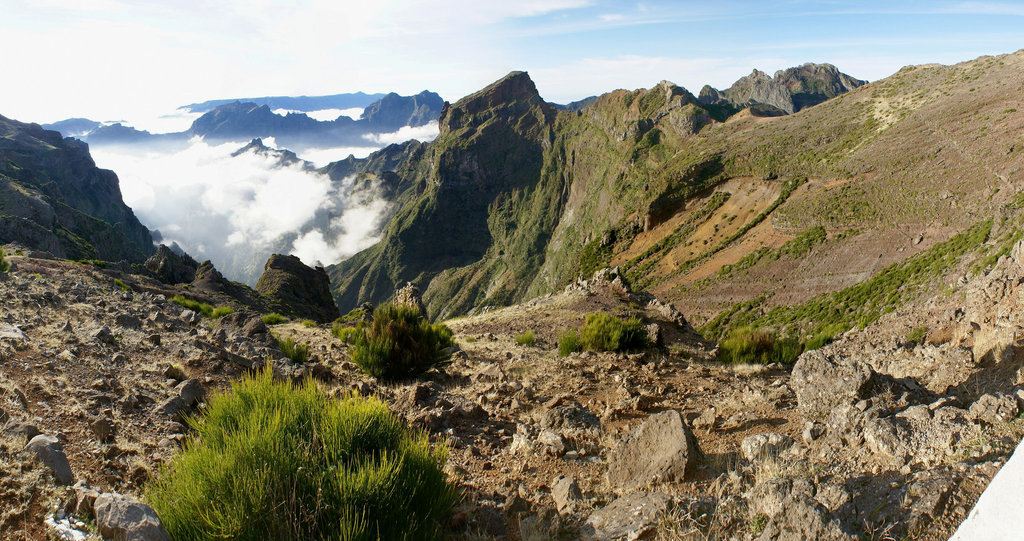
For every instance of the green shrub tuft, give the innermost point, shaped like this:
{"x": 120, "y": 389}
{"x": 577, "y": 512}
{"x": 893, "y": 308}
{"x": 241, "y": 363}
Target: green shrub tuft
{"x": 308, "y": 323}
{"x": 298, "y": 353}
{"x": 526, "y": 338}
{"x": 605, "y": 332}
{"x": 273, "y": 318}
{"x": 399, "y": 343}
{"x": 917, "y": 335}
{"x": 272, "y": 460}
{"x": 4, "y": 265}
{"x": 120, "y": 284}
{"x": 202, "y": 307}
{"x": 568, "y": 343}
{"x": 761, "y": 346}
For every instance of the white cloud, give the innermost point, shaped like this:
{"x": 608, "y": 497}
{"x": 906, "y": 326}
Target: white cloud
{"x": 234, "y": 209}
{"x": 426, "y": 132}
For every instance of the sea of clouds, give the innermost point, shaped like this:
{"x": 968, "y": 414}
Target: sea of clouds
{"x": 237, "y": 210}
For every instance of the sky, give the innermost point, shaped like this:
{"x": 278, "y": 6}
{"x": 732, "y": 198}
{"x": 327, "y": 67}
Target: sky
{"x": 120, "y": 59}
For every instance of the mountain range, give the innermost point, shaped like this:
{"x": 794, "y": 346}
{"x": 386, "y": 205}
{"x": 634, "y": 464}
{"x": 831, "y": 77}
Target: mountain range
{"x": 237, "y": 120}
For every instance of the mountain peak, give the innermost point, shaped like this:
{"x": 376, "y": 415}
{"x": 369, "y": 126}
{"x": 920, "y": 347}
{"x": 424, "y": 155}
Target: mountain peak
{"x": 511, "y": 95}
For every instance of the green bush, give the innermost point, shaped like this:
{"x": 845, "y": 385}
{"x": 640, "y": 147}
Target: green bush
{"x": 399, "y": 343}
{"x": 605, "y": 332}
{"x": 273, "y": 318}
{"x": 568, "y": 342}
{"x": 526, "y": 338}
{"x": 4, "y": 265}
{"x": 272, "y": 460}
{"x": 343, "y": 332}
{"x": 917, "y": 335}
{"x": 121, "y": 285}
{"x": 762, "y": 346}
{"x": 309, "y": 323}
{"x": 298, "y": 353}
{"x": 203, "y": 308}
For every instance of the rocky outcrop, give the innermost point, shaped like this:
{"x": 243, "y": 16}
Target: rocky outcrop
{"x": 822, "y": 382}
{"x": 54, "y": 198}
{"x": 393, "y": 111}
{"x": 787, "y": 92}
{"x": 291, "y": 287}
{"x": 170, "y": 267}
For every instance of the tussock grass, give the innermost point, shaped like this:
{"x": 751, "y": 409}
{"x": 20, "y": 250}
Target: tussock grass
{"x": 272, "y": 460}
{"x": 203, "y": 308}
{"x": 398, "y": 343}
{"x": 273, "y": 318}
{"x": 4, "y": 265}
{"x": 119, "y": 283}
{"x": 605, "y": 332}
{"x": 526, "y": 338}
{"x": 569, "y": 343}
{"x": 308, "y": 323}
{"x": 297, "y": 352}
{"x": 760, "y": 346}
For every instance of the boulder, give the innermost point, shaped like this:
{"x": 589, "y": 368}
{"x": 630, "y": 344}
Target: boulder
{"x": 121, "y": 518}
{"x": 293, "y": 288}
{"x": 803, "y": 518}
{"x": 992, "y": 409}
{"x": 50, "y": 452}
{"x": 635, "y": 516}
{"x": 823, "y": 381}
{"x": 661, "y": 449}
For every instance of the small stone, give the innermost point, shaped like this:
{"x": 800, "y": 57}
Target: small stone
{"x": 104, "y": 430}
{"x": 174, "y": 372}
{"x": 630, "y": 517}
{"x": 566, "y": 493}
{"x": 552, "y": 442}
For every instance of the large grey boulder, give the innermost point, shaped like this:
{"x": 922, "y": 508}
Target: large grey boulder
{"x": 50, "y": 452}
{"x": 635, "y": 516}
{"x": 661, "y": 449}
{"x": 822, "y": 382}
{"x": 121, "y": 518}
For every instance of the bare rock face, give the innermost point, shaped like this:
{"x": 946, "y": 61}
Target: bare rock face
{"x": 822, "y": 382}
{"x": 293, "y": 288}
{"x": 122, "y": 518}
{"x": 170, "y": 267}
{"x": 662, "y": 449}
{"x": 50, "y": 452}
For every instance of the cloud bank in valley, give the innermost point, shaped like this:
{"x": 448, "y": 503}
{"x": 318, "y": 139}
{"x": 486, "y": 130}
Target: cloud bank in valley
{"x": 426, "y": 132}
{"x": 235, "y": 210}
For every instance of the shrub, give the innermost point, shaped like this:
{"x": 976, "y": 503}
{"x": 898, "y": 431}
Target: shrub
{"x": 526, "y": 338}
{"x": 917, "y": 335}
{"x": 399, "y": 343}
{"x": 604, "y": 332}
{"x": 568, "y": 342}
{"x": 203, "y": 308}
{"x": 273, "y": 318}
{"x": 273, "y": 460}
{"x": 762, "y": 346}
{"x": 121, "y": 285}
{"x": 308, "y": 323}
{"x": 343, "y": 332}
{"x": 298, "y": 353}
{"x": 4, "y": 265}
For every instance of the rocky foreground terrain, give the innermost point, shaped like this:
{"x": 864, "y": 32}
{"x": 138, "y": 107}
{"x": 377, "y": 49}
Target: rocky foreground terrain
{"x": 875, "y": 436}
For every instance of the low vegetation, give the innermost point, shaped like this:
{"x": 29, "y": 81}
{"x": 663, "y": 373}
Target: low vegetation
{"x": 814, "y": 323}
{"x": 308, "y": 323}
{"x": 272, "y": 460}
{"x": 761, "y": 346}
{"x": 398, "y": 343}
{"x": 605, "y": 332}
{"x": 297, "y": 352}
{"x": 526, "y": 338}
{"x": 4, "y": 265}
{"x": 203, "y": 308}
{"x": 917, "y": 335}
{"x": 273, "y": 318}
{"x": 121, "y": 285}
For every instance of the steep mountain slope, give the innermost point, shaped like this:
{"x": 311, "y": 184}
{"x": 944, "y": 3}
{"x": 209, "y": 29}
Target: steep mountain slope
{"x": 704, "y": 213}
{"x": 54, "y": 198}
{"x": 788, "y": 91}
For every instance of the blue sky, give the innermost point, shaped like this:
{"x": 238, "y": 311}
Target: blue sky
{"x": 111, "y": 59}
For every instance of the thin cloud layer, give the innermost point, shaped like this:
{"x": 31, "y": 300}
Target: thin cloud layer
{"x": 426, "y": 132}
